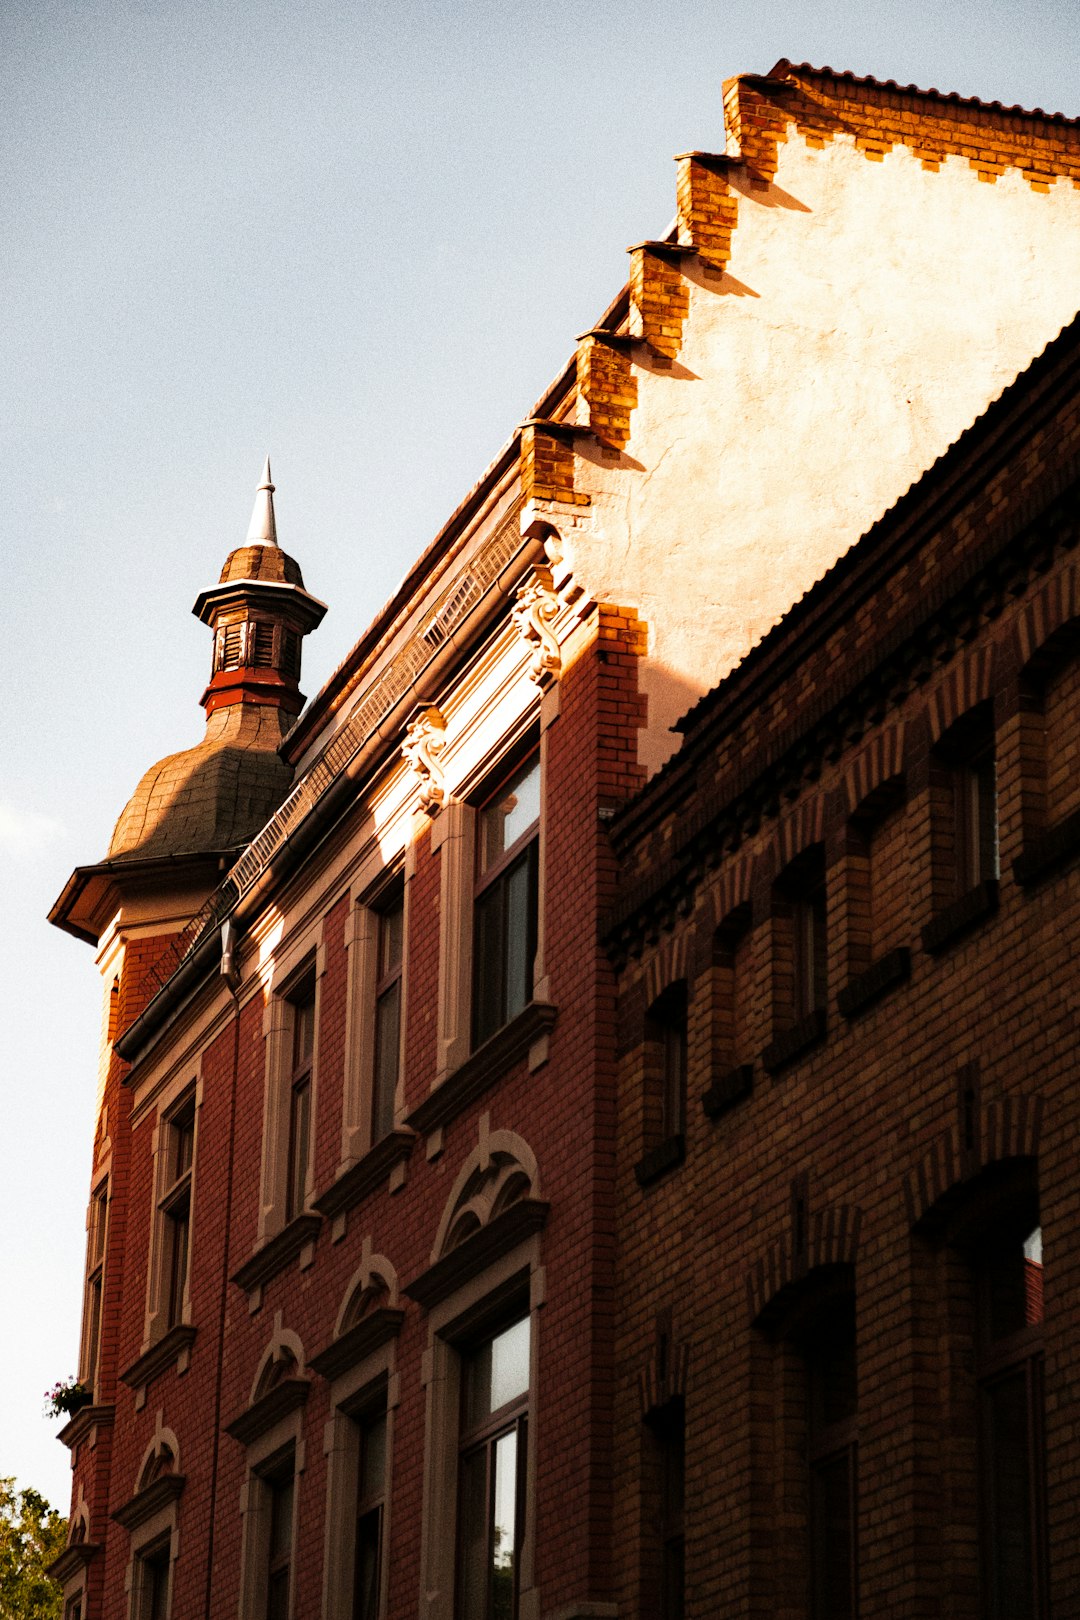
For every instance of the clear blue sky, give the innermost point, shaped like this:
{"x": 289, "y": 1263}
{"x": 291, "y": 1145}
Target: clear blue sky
{"x": 362, "y": 237}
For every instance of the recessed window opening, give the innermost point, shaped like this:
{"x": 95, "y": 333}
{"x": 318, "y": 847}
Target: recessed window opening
{"x": 370, "y": 1513}
{"x": 155, "y": 1566}
{"x": 280, "y": 1491}
{"x": 95, "y": 1268}
{"x": 1008, "y": 1277}
{"x": 666, "y": 1033}
{"x": 175, "y": 1207}
{"x": 967, "y": 755}
{"x": 303, "y": 1047}
{"x": 506, "y": 900}
{"x": 492, "y": 1453}
{"x": 802, "y": 891}
{"x": 828, "y": 1351}
{"x": 388, "y": 969}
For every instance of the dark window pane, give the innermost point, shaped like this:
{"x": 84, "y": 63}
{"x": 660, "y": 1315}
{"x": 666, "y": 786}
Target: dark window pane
{"x": 488, "y": 965}
{"x": 180, "y": 1225}
{"x": 391, "y": 923}
{"x": 832, "y": 1537}
{"x": 156, "y": 1585}
{"x": 1008, "y": 1485}
{"x": 303, "y": 1030}
{"x": 368, "y": 1544}
{"x": 299, "y": 1141}
{"x": 520, "y": 947}
{"x": 387, "y": 1059}
{"x": 373, "y": 1458}
{"x": 277, "y": 1595}
{"x": 473, "y": 1535}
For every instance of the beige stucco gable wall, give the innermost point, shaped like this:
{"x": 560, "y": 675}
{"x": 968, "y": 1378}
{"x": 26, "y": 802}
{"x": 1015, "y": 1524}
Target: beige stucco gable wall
{"x": 870, "y": 312}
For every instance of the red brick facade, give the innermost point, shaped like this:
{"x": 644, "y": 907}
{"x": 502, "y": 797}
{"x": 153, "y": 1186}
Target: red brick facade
{"x": 783, "y": 1036}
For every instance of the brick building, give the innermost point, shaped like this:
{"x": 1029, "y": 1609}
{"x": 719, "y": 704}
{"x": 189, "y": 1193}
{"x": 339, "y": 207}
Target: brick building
{"x": 357, "y": 1193}
{"x": 848, "y": 1209}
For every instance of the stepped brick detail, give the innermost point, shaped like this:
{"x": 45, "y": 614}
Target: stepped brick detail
{"x": 708, "y": 212}
{"x": 607, "y": 385}
{"x": 659, "y": 295}
{"x": 759, "y": 111}
{"x": 547, "y": 464}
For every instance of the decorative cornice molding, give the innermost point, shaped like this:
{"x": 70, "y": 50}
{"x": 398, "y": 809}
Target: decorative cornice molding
{"x": 72, "y": 1560}
{"x": 522, "y": 1220}
{"x": 285, "y": 1397}
{"x": 145, "y": 1503}
{"x": 367, "y": 1335}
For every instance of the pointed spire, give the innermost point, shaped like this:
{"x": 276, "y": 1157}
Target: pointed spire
{"x": 262, "y": 530}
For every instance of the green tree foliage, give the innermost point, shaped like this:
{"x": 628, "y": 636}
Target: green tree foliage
{"x": 32, "y": 1534}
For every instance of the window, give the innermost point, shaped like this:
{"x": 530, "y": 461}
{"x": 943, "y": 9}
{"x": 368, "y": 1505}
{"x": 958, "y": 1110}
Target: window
{"x": 95, "y": 1266}
{"x": 388, "y": 966}
{"x": 1009, "y": 1372}
{"x": 506, "y": 900}
{"x": 965, "y": 786}
{"x": 280, "y": 1490}
{"x": 153, "y": 1574}
{"x": 370, "y": 1514}
{"x": 175, "y": 1208}
{"x": 800, "y": 940}
{"x": 491, "y": 1476}
{"x": 828, "y": 1350}
{"x": 669, "y": 1430}
{"x": 303, "y": 1047}
{"x": 666, "y": 1037}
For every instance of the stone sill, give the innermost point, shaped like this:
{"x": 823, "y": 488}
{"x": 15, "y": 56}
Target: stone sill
{"x": 794, "y": 1041}
{"x": 366, "y": 1174}
{"x": 86, "y": 1418}
{"x": 881, "y": 976}
{"x": 962, "y": 915}
{"x": 479, "y": 1251}
{"x": 277, "y": 1403}
{"x": 359, "y": 1341}
{"x": 727, "y": 1090}
{"x": 1041, "y": 854}
{"x": 659, "y": 1160}
{"x": 483, "y": 1067}
{"x": 168, "y": 1351}
{"x": 276, "y": 1254}
{"x": 144, "y": 1504}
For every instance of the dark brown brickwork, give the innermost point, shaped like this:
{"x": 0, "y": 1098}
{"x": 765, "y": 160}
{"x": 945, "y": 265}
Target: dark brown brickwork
{"x": 944, "y": 1080}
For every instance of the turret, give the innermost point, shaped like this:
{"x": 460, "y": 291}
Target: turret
{"x": 259, "y": 612}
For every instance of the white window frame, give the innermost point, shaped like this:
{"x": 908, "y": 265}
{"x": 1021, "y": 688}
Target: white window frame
{"x": 175, "y": 1102}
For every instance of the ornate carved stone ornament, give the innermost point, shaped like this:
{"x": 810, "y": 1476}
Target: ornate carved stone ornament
{"x": 425, "y": 739}
{"x": 533, "y": 613}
